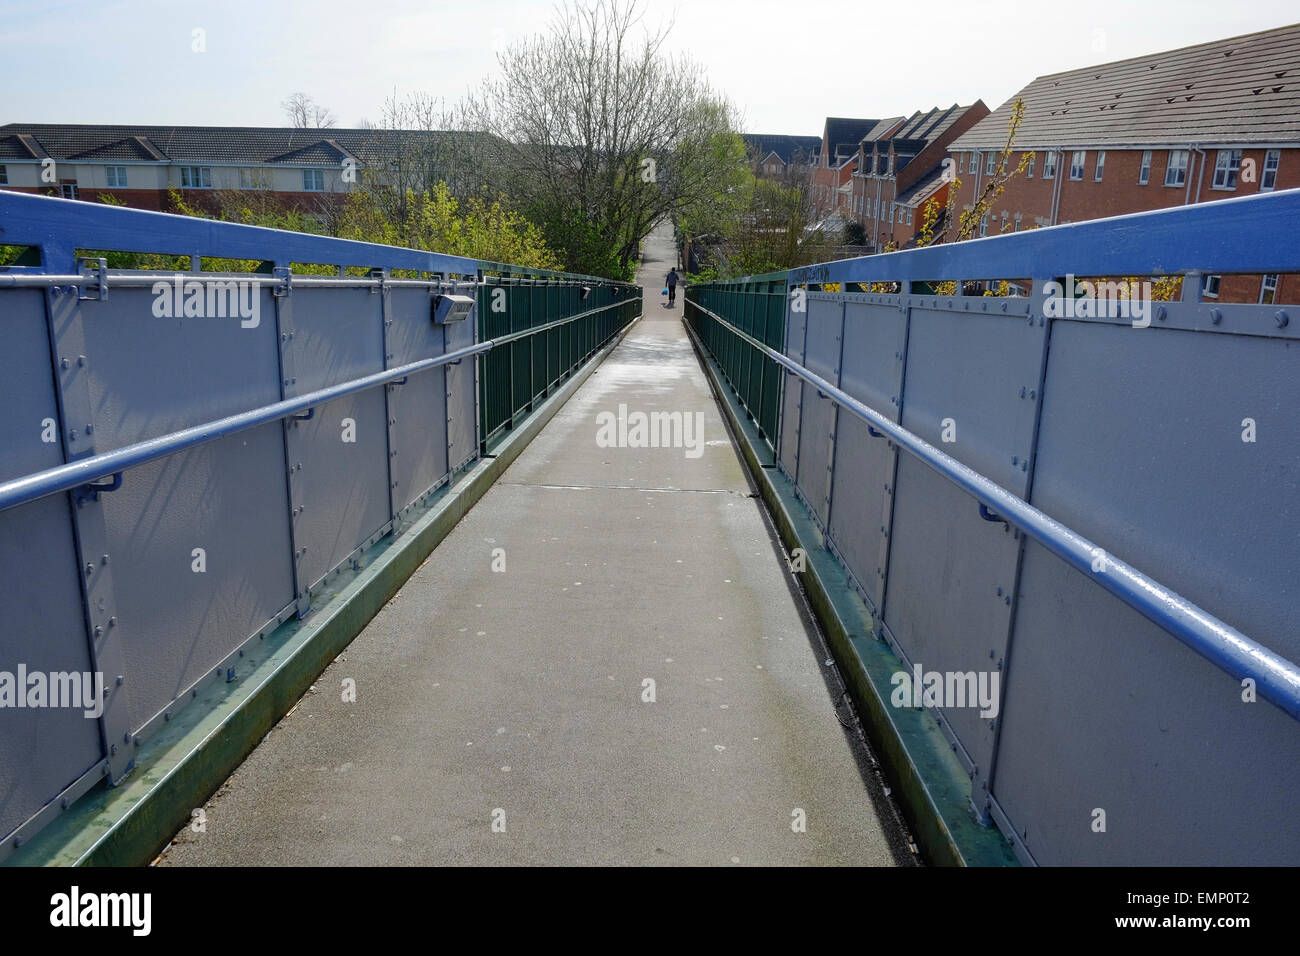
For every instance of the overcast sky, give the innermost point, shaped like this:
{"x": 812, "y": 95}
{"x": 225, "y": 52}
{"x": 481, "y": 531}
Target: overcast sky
{"x": 786, "y": 63}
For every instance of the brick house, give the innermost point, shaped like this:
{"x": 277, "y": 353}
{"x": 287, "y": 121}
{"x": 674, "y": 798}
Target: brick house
{"x": 838, "y": 158}
{"x": 895, "y": 168}
{"x": 780, "y": 156}
{"x": 138, "y": 165}
{"x": 1191, "y": 125}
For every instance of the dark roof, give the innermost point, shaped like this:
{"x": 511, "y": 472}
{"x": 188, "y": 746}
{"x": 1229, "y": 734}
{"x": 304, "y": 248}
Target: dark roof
{"x": 1243, "y": 89}
{"x": 784, "y": 146}
{"x": 843, "y": 135}
{"x": 254, "y": 145}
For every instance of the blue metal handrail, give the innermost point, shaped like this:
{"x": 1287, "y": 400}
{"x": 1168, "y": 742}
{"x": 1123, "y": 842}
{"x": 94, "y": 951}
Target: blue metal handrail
{"x": 1276, "y": 677}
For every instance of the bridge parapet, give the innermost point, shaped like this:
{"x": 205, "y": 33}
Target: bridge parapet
{"x": 192, "y": 457}
{"x": 991, "y": 471}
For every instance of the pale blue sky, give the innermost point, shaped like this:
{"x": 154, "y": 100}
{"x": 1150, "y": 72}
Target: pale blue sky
{"x": 786, "y": 63}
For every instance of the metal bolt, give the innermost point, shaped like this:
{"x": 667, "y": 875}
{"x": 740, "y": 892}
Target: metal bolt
{"x": 1023, "y": 391}
{"x": 81, "y": 361}
{"x": 1216, "y": 316}
{"x": 112, "y": 622}
{"x": 1281, "y": 318}
{"x": 1161, "y": 312}
{"x": 120, "y": 680}
{"x": 72, "y": 435}
{"x": 999, "y": 595}
{"x": 64, "y": 363}
{"x": 1015, "y": 459}
{"x": 99, "y": 630}
{"x": 90, "y": 569}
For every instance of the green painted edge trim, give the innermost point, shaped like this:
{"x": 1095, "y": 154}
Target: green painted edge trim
{"x": 183, "y": 765}
{"x": 927, "y": 779}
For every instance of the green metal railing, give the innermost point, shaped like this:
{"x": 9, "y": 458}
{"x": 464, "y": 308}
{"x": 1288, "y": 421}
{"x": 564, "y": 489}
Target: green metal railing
{"x": 757, "y": 306}
{"x": 547, "y": 325}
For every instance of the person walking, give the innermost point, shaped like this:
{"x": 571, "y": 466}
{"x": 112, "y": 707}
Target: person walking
{"x": 671, "y": 282}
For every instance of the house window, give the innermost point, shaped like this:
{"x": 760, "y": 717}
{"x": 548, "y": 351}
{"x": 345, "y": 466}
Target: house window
{"x": 1076, "y": 163}
{"x": 973, "y": 164}
{"x": 1029, "y": 170}
{"x": 1017, "y": 225}
{"x": 1144, "y": 174}
{"x": 1101, "y": 165}
{"x": 1210, "y": 289}
{"x": 4, "y": 176}
{"x": 1049, "y": 165}
{"x": 68, "y": 190}
{"x": 1226, "y": 166}
{"x": 1176, "y": 171}
{"x": 115, "y": 176}
{"x": 313, "y": 180}
{"x": 984, "y": 226}
{"x": 990, "y": 163}
{"x": 196, "y": 177}
{"x": 1272, "y": 159}
{"x": 1268, "y": 290}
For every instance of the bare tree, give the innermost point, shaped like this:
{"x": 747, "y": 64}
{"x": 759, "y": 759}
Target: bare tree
{"x": 601, "y": 134}
{"x": 305, "y": 113}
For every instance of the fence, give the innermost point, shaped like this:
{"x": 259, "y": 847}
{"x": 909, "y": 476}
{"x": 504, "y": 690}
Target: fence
{"x": 1048, "y": 453}
{"x": 190, "y": 457}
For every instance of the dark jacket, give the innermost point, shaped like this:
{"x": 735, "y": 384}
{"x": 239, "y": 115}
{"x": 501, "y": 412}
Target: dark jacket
{"x": 672, "y": 278}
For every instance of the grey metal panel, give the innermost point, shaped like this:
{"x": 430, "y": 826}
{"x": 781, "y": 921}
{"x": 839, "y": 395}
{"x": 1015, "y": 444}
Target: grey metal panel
{"x": 1137, "y": 424}
{"x": 942, "y": 605}
{"x": 41, "y": 751}
{"x": 874, "y": 338}
{"x": 342, "y": 486}
{"x": 338, "y": 472}
{"x": 227, "y": 498}
{"x": 418, "y": 408}
{"x": 817, "y": 414}
{"x": 951, "y": 574}
{"x": 791, "y": 392}
{"x": 970, "y": 367}
{"x": 1186, "y": 772}
{"x": 338, "y": 335}
{"x": 150, "y": 376}
{"x": 462, "y": 396}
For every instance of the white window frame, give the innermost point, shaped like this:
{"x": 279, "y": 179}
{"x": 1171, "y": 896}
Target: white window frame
{"x": 1144, "y": 171}
{"x": 973, "y": 164}
{"x": 115, "y": 177}
{"x": 1101, "y": 166}
{"x": 990, "y": 163}
{"x": 69, "y": 191}
{"x": 1270, "y": 289}
{"x": 1268, "y": 177}
{"x": 1227, "y": 164}
{"x": 254, "y": 178}
{"x": 313, "y": 181}
{"x": 1078, "y": 160}
{"x": 1207, "y": 282}
{"x": 1179, "y": 168}
{"x": 1049, "y": 164}
{"x": 200, "y": 177}
{"x": 1029, "y": 170}
{"x": 984, "y": 226}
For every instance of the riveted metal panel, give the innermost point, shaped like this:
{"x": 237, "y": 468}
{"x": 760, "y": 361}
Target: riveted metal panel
{"x": 951, "y": 573}
{"x": 874, "y": 339}
{"x": 461, "y": 390}
{"x": 1141, "y": 450}
{"x": 817, "y": 414}
{"x": 225, "y": 499}
{"x": 417, "y": 408}
{"x": 41, "y": 750}
{"x": 791, "y": 391}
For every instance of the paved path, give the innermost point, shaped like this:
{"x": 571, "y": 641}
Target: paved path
{"x": 520, "y": 693}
